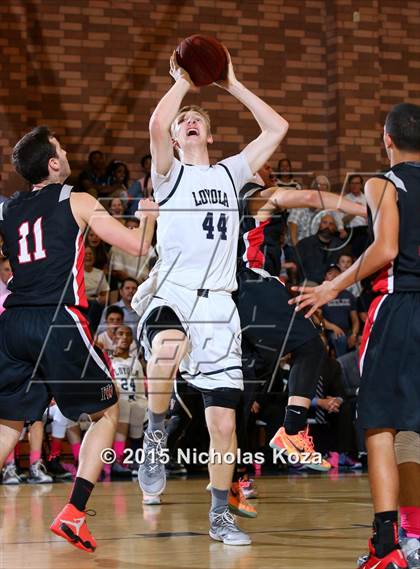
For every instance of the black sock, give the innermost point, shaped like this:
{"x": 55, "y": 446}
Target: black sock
{"x": 81, "y": 492}
{"x": 385, "y": 533}
{"x": 295, "y": 419}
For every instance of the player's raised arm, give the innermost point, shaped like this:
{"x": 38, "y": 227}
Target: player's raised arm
{"x": 273, "y": 126}
{"x": 161, "y": 146}
{"x": 382, "y": 200}
{"x": 88, "y": 211}
{"x": 275, "y": 198}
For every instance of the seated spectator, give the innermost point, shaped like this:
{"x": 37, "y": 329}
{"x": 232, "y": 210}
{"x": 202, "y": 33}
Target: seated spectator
{"x": 93, "y": 179}
{"x": 350, "y": 371}
{"x": 132, "y": 400}
{"x": 114, "y": 317}
{"x": 332, "y": 425}
{"x": 99, "y": 250}
{"x": 142, "y": 187}
{"x": 118, "y": 178}
{"x": 358, "y": 225}
{"x": 289, "y": 270}
{"x": 127, "y": 290}
{"x": 344, "y": 262}
{"x": 340, "y": 318}
{"x": 97, "y": 289}
{"x": 95, "y": 281}
{"x": 117, "y": 209}
{"x": 304, "y": 222}
{"x": 317, "y": 252}
{"x": 350, "y": 375}
{"x": 5, "y": 276}
{"x": 365, "y": 299}
{"x": 284, "y": 175}
{"x": 123, "y": 265}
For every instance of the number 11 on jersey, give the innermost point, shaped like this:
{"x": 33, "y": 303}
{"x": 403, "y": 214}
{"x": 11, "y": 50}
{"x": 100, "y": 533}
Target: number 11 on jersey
{"x": 24, "y": 255}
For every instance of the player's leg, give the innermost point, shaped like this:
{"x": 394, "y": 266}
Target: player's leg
{"x": 74, "y": 438}
{"x": 185, "y": 403}
{"x": 274, "y": 329}
{"x": 70, "y": 354}
{"x": 388, "y": 396}
{"x": 168, "y": 344}
{"x": 304, "y": 374}
{"x": 221, "y": 423}
{"x": 37, "y": 471}
{"x": 238, "y": 503}
{"x": 407, "y": 450}
{"x": 9, "y": 437}
{"x": 59, "y": 426}
{"x": 118, "y": 468}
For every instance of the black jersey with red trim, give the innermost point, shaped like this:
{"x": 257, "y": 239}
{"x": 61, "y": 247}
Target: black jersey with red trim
{"x": 403, "y": 274}
{"x": 45, "y": 248}
{"x": 260, "y": 241}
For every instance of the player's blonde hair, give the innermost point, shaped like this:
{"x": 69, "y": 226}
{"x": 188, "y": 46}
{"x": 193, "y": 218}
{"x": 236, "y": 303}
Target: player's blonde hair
{"x": 182, "y": 112}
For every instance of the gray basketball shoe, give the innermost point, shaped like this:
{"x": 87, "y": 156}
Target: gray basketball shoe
{"x": 151, "y": 473}
{"x": 223, "y": 528}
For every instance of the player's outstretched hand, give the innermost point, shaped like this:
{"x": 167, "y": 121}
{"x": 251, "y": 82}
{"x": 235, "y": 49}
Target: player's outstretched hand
{"x": 230, "y": 75}
{"x": 178, "y": 72}
{"x": 315, "y": 297}
{"x": 147, "y": 208}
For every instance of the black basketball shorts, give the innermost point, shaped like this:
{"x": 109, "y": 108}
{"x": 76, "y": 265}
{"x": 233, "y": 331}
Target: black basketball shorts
{"x": 389, "y": 395}
{"x": 269, "y": 324}
{"x": 47, "y": 352}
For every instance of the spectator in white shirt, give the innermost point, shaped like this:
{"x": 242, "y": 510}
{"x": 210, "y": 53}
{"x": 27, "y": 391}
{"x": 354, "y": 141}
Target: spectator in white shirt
{"x": 358, "y": 224}
{"x": 123, "y": 265}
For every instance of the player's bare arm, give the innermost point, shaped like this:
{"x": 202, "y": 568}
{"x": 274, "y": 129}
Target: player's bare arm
{"x": 265, "y": 202}
{"x": 161, "y": 146}
{"x": 88, "y": 211}
{"x": 273, "y": 126}
{"x": 382, "y": 200}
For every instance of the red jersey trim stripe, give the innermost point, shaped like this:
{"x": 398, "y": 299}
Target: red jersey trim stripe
{"x": 79, "y": 289}
{"x": 370, "y": 321}
{"x": 83, "y": 327}
{"x": 384, "y": 282}
{"x": 254, "y": 257}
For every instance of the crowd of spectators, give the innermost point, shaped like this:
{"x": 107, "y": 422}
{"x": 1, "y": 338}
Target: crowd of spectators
{"x": 316, "y": 246}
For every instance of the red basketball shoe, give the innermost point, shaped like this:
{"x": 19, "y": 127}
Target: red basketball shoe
{"x": 394, "y": 560}
{"x": 71, "y": 525}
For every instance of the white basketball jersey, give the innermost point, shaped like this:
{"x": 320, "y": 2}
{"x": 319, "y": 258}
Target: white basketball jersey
{"x": 129, "y": 376}
{"x": 198, "y": 224}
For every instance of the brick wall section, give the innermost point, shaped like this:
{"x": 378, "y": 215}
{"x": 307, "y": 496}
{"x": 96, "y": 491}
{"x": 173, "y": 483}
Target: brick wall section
{"x": 94, "y": 69}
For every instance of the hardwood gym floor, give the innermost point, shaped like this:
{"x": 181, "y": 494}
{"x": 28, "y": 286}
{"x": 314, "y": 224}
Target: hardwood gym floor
{"x": 305, "y": 521}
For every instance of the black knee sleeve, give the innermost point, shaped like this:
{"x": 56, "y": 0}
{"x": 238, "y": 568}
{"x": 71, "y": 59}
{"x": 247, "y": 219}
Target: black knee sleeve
{"x": 306, "y": 366}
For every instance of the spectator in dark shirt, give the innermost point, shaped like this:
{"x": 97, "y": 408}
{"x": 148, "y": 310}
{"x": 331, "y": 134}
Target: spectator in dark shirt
{"x": 332, "y": 426}
{"x": 317, "y": 252}
{"x": 340, "y": 318}
{"x": 93, "y": 179}
{"x": 365, "y": 299}
{"x": 118, "y": 179}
